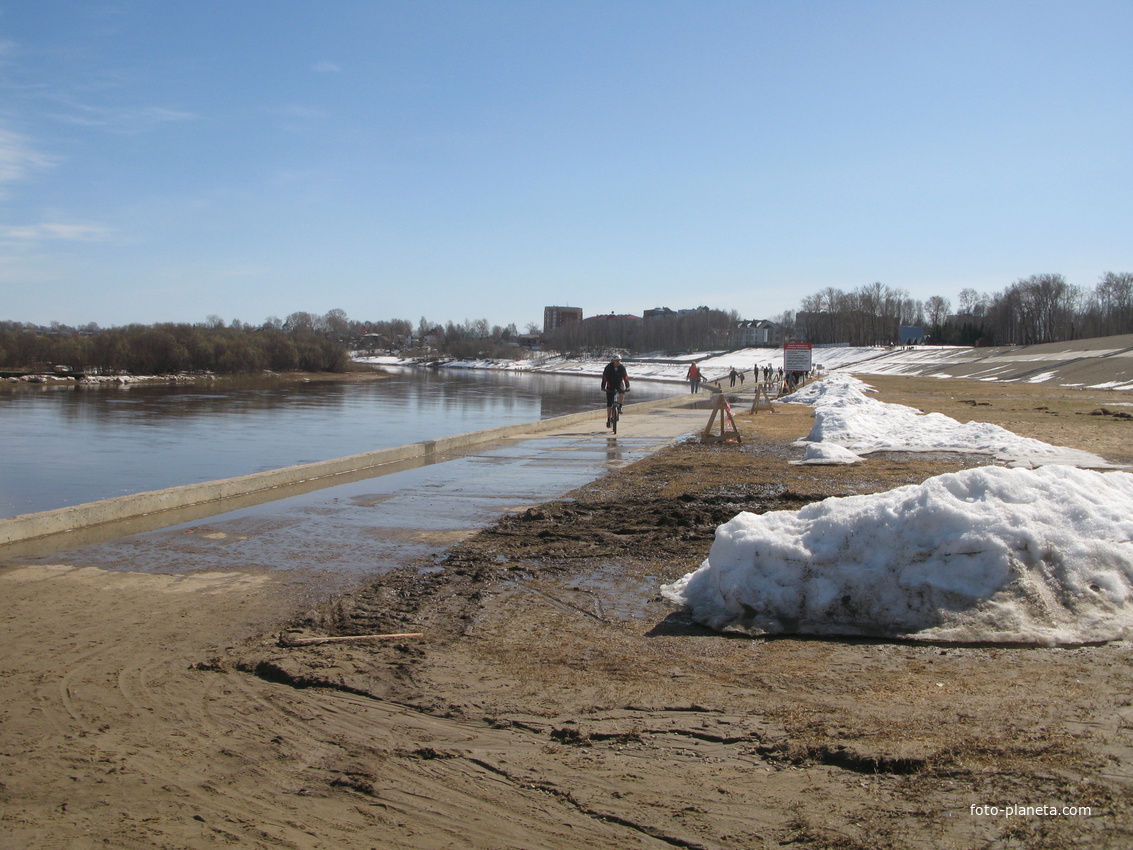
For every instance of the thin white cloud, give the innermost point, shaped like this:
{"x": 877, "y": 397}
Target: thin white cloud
{"x": 18, "y": 159}
{"x": 131, "y": 120}
{"x": 76, "y": 102}
{"x": 296, "y": 118}
{"x": 49, "y": 231}
{"x": 326, "y": 67}
{"x": 162, "y": 114}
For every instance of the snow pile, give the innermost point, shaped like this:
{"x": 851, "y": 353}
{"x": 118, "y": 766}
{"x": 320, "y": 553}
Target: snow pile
{"x": 987, "y": 554}
{"x": 827, "y": 453}
{"x": 838, "y": 388}
{"x": 846, "y": 416}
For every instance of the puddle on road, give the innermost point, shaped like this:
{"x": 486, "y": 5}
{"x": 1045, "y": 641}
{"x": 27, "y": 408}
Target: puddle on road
{"x": 618, "y": 596}
{"x": 608, "y": 594}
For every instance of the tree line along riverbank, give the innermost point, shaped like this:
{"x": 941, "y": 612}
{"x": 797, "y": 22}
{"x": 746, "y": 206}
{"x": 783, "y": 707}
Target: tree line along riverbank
{"x": 168, "y": 349}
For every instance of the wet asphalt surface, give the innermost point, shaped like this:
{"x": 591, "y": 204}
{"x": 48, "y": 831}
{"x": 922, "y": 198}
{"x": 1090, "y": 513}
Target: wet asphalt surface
{"x": 338, "y": 537}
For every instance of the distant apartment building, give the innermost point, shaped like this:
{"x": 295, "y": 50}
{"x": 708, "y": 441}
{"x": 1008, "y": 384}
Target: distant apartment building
{"x": 555, "y": 317}
{"x": 760, "y": 332}
{"x": 666, "y": 313}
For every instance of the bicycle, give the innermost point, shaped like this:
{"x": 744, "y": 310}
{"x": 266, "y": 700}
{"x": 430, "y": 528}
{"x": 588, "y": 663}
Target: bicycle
{"x": 614, "y": 408}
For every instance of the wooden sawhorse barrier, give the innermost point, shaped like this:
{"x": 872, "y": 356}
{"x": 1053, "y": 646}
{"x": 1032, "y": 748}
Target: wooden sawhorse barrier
{"x": 728, "y": 430}
{"x": 761, "y": 391}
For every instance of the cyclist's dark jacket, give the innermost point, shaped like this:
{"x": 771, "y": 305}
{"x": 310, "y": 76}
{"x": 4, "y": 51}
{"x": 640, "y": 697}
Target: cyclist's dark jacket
{"x": 614, "y": 377}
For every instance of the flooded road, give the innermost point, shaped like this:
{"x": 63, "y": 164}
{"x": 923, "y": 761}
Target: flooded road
{"x": 66, "y": 446}
{"x": 334, "y": 537}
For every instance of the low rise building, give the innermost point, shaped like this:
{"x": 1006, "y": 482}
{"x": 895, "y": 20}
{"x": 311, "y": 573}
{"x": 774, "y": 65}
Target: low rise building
{"x": 756, "y": 333}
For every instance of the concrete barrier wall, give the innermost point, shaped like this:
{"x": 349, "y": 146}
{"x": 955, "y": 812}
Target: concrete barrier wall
{"x": 75, "y": 517}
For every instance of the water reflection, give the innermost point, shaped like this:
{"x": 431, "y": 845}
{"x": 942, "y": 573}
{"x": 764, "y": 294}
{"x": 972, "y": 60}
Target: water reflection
{"x": 614, "y": 454}
{"x": 65, "y": 446}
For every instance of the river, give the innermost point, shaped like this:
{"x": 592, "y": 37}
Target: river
{"x": 64, "y": 445}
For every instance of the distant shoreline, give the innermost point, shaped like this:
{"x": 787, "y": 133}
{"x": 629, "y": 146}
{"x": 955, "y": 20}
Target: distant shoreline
{"x": 17, "y": 378}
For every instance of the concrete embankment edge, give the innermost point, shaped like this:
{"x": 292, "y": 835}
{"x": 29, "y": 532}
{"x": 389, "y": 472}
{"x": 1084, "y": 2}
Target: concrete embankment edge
{"x": 75, "y": 517}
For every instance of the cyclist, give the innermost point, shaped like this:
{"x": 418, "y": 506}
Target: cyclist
{"x": 615, "y": 382}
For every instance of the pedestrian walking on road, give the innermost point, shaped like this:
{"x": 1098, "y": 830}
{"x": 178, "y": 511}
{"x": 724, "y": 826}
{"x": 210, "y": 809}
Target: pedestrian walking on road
{"x": 693, "y": 377}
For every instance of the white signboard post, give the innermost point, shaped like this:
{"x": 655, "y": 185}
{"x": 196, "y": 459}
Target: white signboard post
{"x": 796, "y": 356}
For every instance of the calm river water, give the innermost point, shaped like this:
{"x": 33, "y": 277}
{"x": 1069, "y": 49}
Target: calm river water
{"x": 65, "y": 446}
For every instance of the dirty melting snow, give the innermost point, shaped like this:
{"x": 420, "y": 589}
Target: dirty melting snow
{"x": 845, "y": 416}
{"x": 986, "y": 554}
{"x": 989, "y": 554}
{"x": 827, "y": 454}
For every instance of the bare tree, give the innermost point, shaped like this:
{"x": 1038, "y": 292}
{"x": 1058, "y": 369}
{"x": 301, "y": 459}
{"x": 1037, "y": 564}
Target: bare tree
{"x": 972, "y": 303}
{"x": 300, "y": 322}
{"x": 1047, "y": 305}
{"x": 937, "y": 309}
{"x": 1115, "y": 300}
{"x": 336, "y": 321}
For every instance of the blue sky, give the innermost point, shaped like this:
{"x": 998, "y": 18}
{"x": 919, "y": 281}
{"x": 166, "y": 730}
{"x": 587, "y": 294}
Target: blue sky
{"x": 170, "y": 161}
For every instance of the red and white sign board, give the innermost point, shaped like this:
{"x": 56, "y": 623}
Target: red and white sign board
{"x": 796, "y": 356}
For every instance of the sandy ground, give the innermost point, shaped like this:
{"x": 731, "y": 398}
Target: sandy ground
{"x": 554, "y": 699}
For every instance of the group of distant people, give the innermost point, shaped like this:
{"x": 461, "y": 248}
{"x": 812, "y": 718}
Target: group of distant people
{"x": 694, "y": 376}
{"x": 615, "y": 380}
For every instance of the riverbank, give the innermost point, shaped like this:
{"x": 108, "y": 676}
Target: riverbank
{"x": 1103, "y": 363}
{"x": 359, "y": 372}
{"x": 554, "y": 699}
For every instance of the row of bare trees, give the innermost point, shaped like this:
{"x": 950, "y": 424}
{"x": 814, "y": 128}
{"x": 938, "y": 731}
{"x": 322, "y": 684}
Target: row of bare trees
{"x": 470, "y": 339}
{"x": 870, "y": 315}
{"x": 303, "y": 341}
{"x": 1046, "y": 308}
{"x": 1040, "y": 308}
{"x": 165, "y": 349}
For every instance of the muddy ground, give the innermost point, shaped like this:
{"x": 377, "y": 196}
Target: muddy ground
{"x": 554, "y": 699}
